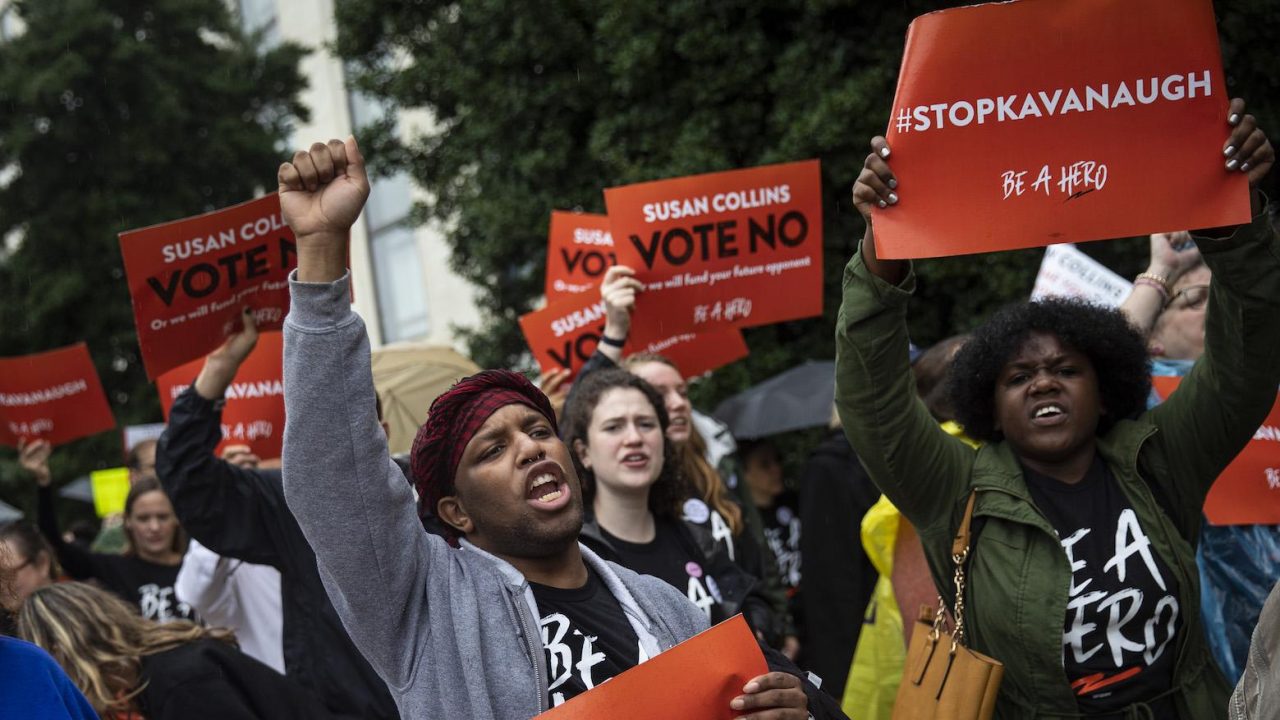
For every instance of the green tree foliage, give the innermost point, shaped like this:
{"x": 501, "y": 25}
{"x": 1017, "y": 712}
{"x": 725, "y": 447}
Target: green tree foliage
{"x": 116, "y": 114}
{"x": 540, "y": 106}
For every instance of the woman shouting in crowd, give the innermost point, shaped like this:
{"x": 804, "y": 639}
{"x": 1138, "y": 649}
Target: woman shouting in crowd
{"x": 1082, "y": 579}
{"x": 616, "y": 426}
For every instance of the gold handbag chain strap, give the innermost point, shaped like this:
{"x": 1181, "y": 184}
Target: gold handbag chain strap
{"x": 959, "y": 555}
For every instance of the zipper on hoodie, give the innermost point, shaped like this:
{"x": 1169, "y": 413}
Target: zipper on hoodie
{"x": 535, "y": 654}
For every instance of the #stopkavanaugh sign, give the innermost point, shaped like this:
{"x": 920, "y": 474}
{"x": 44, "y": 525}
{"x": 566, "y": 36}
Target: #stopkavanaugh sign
{"x": 190, "y": 278}
{"x": 696, "y": 679}
{"x": 723, "y": 250}
{"x": 254, "y": 411}
{"x": 1248, "y": 490}
{"x": 55, "y": 396}
{"x": 579, "y": 251}
{"x": 565, "y": 335}
{"x": 1028, "y": 123}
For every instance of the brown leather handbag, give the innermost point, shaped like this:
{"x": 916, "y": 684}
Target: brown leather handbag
{"x": 943, "y": 679}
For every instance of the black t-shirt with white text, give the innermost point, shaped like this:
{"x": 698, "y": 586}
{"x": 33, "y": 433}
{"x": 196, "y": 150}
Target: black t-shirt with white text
{"x": 781, "y": 522}
{"x": 1119, "y": 637}
{"x": 586, "y": 637}
{"x": 670, "y": 560}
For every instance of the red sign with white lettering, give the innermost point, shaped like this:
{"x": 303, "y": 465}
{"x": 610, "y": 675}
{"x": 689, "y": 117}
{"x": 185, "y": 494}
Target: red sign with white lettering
{"x": 1248, "y": 491}
{"x": 254, "y": 411}
{"x": 190, "y": 278}
{"x": 54, "y": 396}
{"x": 723, "y": 250}
{"x": 565, "y": 335}
{"x": 579, "y": 251}
{"x": 1022, "y": 124}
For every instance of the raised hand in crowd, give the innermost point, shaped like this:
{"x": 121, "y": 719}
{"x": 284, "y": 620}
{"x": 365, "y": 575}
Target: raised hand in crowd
{"x": 1248, "y": 150}
{"x": 322, "y": 191}
{"x": 221, "y": 365}
{"x": 1173, "y": 255}
{"x": 877, "y": 186}
{"x": 241, "y": 456}
{"x": 33, "y": 456}
{"x": 618, "y": 290}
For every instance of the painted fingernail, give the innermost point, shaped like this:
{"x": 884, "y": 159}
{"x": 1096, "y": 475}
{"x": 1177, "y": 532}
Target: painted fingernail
{"x": 1235, "y": 118}
{"x": 893, "y": 198}
{"x": 884, "y": 152}
{"x": 1231, "y": 164}
{"x": 893, "y": 184}
{"x": 883, "y": 204}
{"x": 1231, "y": 150}
{"x": 1244, "y": 167}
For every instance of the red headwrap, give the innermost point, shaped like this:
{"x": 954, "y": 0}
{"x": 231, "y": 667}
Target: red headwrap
{"x": 454, "y": 418}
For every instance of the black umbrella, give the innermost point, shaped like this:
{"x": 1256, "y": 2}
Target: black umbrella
{"x": 796, "y": 399}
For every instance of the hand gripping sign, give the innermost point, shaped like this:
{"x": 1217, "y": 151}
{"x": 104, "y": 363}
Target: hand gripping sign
{"x": 254, "y": 411}
{"x": 1248, "y": 490}
{"x": 696, "y": 679}
{"x": 1028, "y": 123}
{"x": 565, "y": 335}
{"x": 723, "y": 250}
{"x": 55, "y": 396}
{"x": 579, "y": 251}
{"x": 189, "y": 278}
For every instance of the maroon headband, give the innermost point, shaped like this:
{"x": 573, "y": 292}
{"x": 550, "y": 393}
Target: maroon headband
{"x": 455, "y": 417}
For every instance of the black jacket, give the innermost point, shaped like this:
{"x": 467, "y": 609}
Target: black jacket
{"x": 838, "y": 578}
{"x": 740, "y": 592}
{"x": 211, "y": 679}
{"x": 241, "y": 513}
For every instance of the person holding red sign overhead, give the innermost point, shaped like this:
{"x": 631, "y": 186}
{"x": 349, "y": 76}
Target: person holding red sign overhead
{"x": 1238, "y": 563}
{"x": 145, "y": 573}
{"x": 1082, "y": 577}
{"x": 450, "y": 625}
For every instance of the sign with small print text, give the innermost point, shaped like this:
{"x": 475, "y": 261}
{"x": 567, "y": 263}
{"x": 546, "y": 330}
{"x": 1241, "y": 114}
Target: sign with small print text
{"x": 253, "y": 414}
{"x": 1248, "y": 490}
{"x": 190, "y": 278}
{"x": 55, "y": 396}
{"x": 1021, "y": 124}
{"x": 722, "y": 250}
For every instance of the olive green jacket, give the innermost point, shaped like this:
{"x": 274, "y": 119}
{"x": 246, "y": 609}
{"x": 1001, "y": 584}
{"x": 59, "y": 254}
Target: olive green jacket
{"x": 1019, "y": 576}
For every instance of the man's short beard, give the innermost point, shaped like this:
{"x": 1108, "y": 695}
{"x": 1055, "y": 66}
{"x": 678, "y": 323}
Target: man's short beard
{"x": 531, "y": 538}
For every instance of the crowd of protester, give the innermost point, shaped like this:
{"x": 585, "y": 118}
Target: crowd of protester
{"x": 539, "y": 542}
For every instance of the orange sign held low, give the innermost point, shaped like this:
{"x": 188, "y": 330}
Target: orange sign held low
{"x": 723, "y": 250}
{"x": 54, "y": 396}
{"x": 695, "y": 680}
{"x": 190, "y": 278}
{"x": 579, "y": 251}
{"x": 254, "y": 411}
{"x": 1027, "y": 123}
{"x": 1248, "y": 491}
{"x": 565, "y": 336}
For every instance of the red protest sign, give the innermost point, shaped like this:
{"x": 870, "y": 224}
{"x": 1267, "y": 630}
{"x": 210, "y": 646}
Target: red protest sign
{"x": 254, "y": 411}
{"x": 1248, "y": 491}
{"x": 54, "y": 396}
{"x": 565, "y": 335}
{"x": 189, "y": 278}
{"x": 729, "y": 249}
{"x": 1023, "y": 124}
{"x": 579, "y": 251}
{"x": 695, "y": 680}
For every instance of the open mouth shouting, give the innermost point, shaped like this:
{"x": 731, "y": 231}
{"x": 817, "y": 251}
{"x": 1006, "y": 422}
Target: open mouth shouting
{"x": 635, "y": 461}
{"x": 546, "y": 487}
{"x": 1048, "y": 414}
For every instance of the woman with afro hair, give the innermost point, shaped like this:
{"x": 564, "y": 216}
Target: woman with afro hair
{"x": 1081, "y": 576}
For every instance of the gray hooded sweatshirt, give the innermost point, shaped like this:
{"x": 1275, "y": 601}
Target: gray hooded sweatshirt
{"x": 453, "y": 632}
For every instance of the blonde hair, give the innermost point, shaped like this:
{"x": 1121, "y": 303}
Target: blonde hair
{"x": 100, "y": 640}
{"x": 697, "y": 472}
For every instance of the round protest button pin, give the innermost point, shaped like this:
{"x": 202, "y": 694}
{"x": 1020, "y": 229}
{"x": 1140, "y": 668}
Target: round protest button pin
{"x": 693, "y": 569}
{"x": 696, "y": 511}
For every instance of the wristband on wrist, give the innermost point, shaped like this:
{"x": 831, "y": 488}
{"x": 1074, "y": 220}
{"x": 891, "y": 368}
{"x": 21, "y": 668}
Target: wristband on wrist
{"x": 1153, "y": 280}
{"x": 612, "y": 342}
